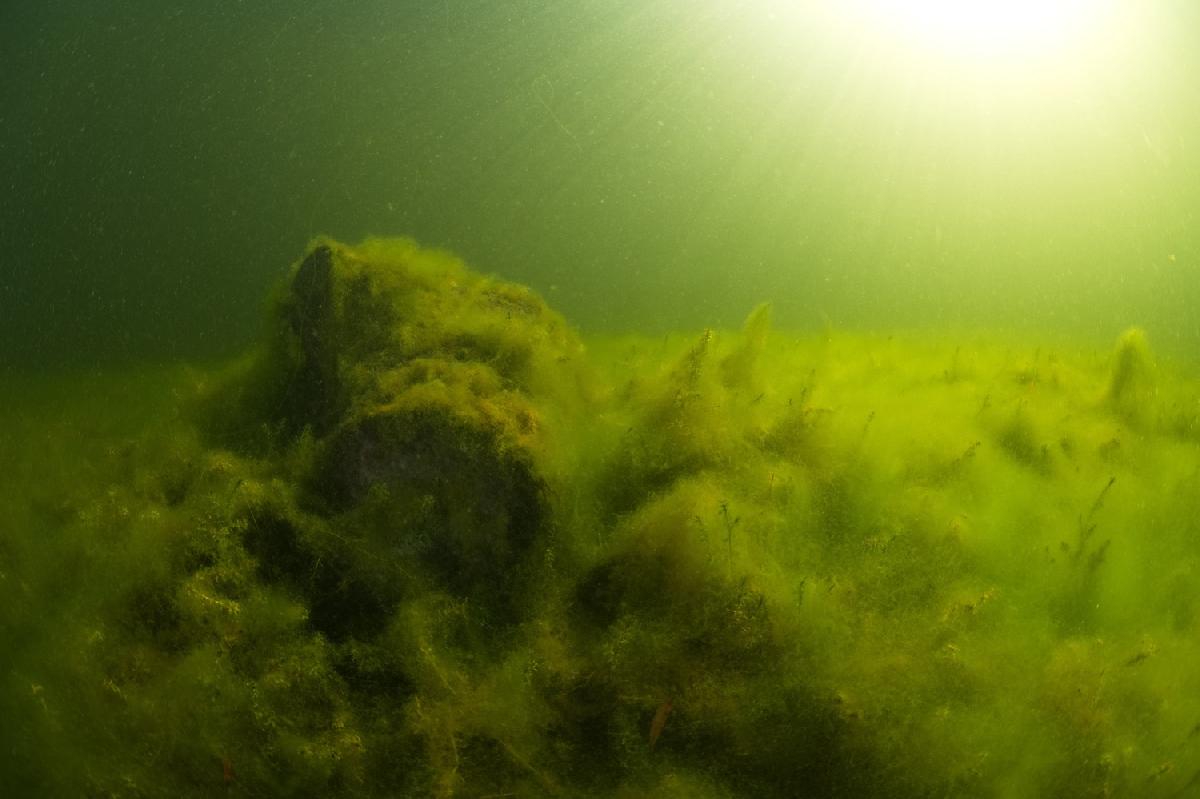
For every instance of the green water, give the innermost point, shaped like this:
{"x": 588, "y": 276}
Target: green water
{"x": 660, "y": 164}
{"x": 830, "y": 426}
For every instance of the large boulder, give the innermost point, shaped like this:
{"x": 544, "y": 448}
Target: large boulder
{"x": 416, "y": 394}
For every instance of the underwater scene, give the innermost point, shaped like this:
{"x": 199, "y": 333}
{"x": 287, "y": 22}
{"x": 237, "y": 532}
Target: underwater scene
{"x": 723, "y": 398}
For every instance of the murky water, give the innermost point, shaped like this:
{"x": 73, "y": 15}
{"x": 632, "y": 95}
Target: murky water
{"x": 829, "y": 425}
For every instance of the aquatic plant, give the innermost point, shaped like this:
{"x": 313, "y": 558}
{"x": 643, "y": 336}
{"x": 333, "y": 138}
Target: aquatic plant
{"x": 1131, "y": 377}
{"x": 420, "y": 543}
{"x": 739, "y": 369}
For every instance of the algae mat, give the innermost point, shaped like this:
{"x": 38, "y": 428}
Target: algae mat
{"x": 424, "y": 540}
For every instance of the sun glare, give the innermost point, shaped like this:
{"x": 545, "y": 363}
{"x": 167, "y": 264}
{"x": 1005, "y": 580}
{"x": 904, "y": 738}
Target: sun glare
{"x": 982, "y": 30}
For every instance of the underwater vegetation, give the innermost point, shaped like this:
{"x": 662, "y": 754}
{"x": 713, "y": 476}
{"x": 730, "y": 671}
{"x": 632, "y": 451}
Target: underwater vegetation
{"x": 422, "y": 541}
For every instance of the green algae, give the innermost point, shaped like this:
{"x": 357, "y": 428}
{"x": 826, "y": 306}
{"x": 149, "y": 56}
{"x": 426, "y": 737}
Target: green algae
{"x": 424, "y": 542}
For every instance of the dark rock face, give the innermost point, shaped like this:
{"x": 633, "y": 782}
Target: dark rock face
{"x": 313, "y": 396}
{"x": 465, "y": 507}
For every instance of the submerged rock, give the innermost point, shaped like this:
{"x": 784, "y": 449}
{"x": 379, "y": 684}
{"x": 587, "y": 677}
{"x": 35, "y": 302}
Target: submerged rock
{"x": 414, "y": 388}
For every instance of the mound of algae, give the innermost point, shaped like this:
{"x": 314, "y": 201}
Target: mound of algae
{"x": 420, "y": 542}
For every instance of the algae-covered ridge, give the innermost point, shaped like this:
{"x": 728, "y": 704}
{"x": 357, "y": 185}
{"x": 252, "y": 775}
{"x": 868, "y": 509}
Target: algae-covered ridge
{"x": 422, "y": 542}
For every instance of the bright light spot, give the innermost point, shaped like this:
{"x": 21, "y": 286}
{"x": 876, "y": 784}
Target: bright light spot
{"x": 982, "y": 30}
